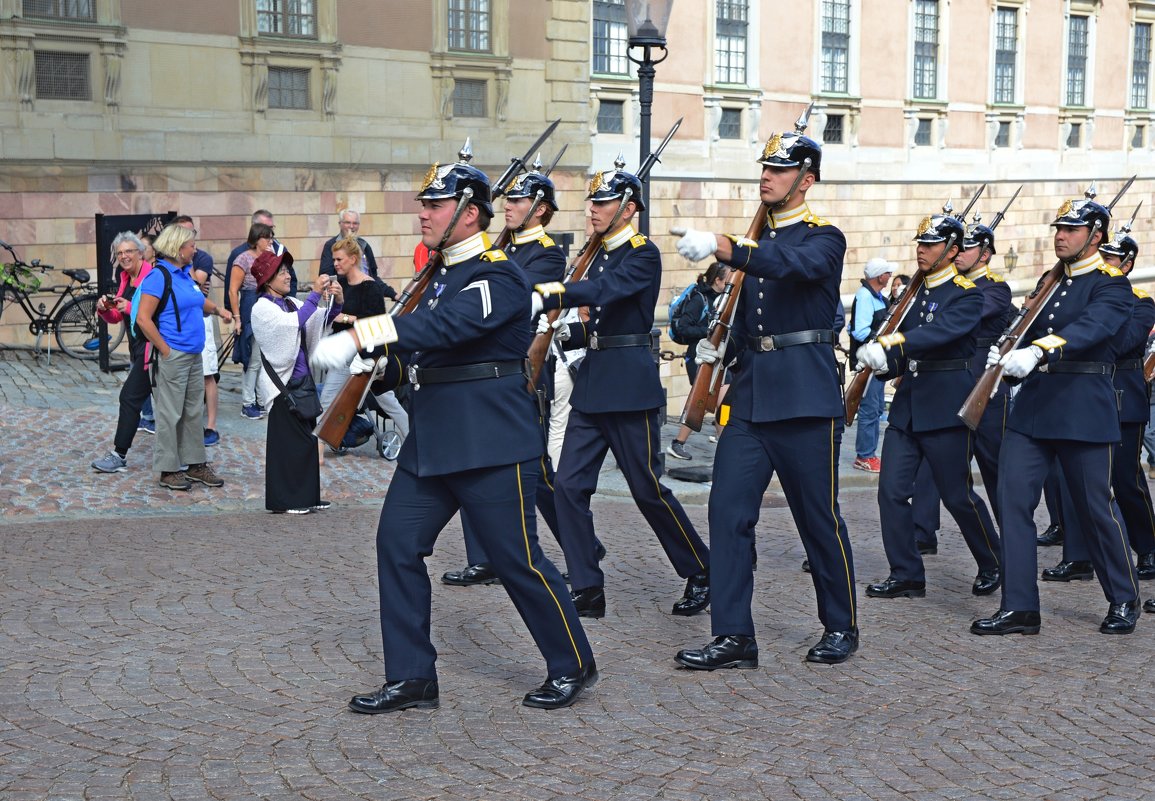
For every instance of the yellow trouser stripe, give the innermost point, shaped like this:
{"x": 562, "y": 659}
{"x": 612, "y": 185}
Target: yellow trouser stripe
{"x": 838, "y": 530}
{"x": 529, "y": 561}
{"x": 658, "y": 489}
{"x": 1118, "y": 527}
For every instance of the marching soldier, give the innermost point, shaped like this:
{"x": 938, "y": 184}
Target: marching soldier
{"x": 475, "y": 445}
{"x": 973, "y": 263}
{"x": 933, "y": 351}
{"x": 1066, "y": 408}
{"x": 783, "y": 412}
{"x": 543, "y": 260}
{"x": 617, "y": 399}
{"x": 1128, "y": 483}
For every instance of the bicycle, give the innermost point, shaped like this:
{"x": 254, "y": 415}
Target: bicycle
{"x": 72, "y": 318}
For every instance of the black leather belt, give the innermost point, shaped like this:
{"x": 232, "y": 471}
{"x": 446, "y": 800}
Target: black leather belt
{"x": 620, "y": 341}
{"x": 821, "y": 336}
{"x": 937, "y": 365}
{"x": 1082, "y": 368}
{"x": 466, "y": 372}
{"x": 1129, "y": 364}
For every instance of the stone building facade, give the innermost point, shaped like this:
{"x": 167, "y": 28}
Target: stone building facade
{"x": 310, "y": 107}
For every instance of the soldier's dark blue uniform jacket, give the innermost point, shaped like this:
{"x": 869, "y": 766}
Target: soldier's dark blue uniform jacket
{"x": 792, "y": 283}
{"x": 621, "y": 289}
{"x": 475, "y": 310}
{"x": 998, "y": 311}
{"x": 1129, "y": 369}
{"x": 1080, "y": 323}
{"x": 537, "y": 253}
{"x": 940, "y": 327}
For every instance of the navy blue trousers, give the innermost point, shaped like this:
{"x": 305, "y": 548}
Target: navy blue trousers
{"x": 1086, "y": 467}
{"x": 634, "y": 438}
{"x": 948, "y": 453}
{"x": 988, "y": 441}
{"x": 475, "y": 551}
{"x": 804, "y": 453}
{"x": 500, "y": 501}
{"x": 1132, "y": 498}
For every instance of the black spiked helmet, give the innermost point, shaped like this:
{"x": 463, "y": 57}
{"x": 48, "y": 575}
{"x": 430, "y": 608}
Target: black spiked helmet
{"x": 792, "y": 148}
{"x": 979, "y": 235}
{"x": 452, "y": 180}
{"x": 1122, "y": 247}
{"x": 944, "y": 227}
{"x": 528, "y": 185}
{"x": 1084, "y": 213}
{"x": 612, "y": 184}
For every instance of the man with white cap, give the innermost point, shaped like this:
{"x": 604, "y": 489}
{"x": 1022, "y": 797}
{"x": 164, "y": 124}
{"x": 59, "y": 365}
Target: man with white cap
{"x": 865, "y": 316}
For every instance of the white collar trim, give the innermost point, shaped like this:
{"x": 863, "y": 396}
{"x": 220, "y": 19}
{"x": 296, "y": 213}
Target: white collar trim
{"x": 943, "y": 275}
{"x": 466, "y": 249}
{"x": 528, "y": 235}
{"x": 619, "y": 237}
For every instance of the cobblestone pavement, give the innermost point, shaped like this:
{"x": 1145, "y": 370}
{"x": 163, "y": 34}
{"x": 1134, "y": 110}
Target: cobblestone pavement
{"x": 163, "y": 646}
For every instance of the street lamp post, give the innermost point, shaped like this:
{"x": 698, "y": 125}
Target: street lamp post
{"x": 646, "y": 22}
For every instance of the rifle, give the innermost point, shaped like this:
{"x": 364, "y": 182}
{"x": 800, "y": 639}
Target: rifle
{"x": 335, "y": 420}
{"x": 976, "y": 402}
{"x": 704, "y": 393}
{"x": 539, "y": 347}
{"x": 894, "y": 317}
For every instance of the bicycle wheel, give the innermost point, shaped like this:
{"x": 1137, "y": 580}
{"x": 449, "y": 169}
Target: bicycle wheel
{"x": 77, "y": 331}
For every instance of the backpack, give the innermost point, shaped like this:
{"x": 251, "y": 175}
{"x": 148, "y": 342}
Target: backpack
{"x": 165, "y": 296}
{"x": 681, "y": 316}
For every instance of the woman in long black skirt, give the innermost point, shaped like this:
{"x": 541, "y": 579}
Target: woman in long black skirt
{"x": 285, "y": 333}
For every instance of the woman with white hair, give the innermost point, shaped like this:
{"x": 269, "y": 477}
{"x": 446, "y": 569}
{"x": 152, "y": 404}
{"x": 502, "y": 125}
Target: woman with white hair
{"x": 128, "y": 256}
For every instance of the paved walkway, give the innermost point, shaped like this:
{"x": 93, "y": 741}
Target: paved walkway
{"x": 156, "y": 645}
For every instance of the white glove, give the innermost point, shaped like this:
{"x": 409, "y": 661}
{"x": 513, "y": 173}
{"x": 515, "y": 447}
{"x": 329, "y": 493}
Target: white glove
{"x": 706, "y": 353}
{"x": 559, "y": 328}
{"x": 333, "y": 351}
{"x": 1018, "y": 363}
{"x": 535, "y": 304}
{"x": 696, "y": 245}
{"x": 873, "y": 355}
{"x": 361, "y": 365}
{"x": 993, "y": 356}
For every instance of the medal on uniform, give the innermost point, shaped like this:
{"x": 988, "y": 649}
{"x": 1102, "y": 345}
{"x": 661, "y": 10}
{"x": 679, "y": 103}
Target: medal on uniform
{"x": 930, "y": 311}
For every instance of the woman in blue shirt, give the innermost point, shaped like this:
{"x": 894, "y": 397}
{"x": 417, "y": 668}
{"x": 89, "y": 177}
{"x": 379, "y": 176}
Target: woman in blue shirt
{"x": 169, "y": 315}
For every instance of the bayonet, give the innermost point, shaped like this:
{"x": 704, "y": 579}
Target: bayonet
{"x": 999, "y": 217}
{"x": 970, "y": 205}
{"x": 1118, "y": 197}
{"x": 517, "y": 165}
{"x": 653, "y": 158}
{"x": 556, "y": 160}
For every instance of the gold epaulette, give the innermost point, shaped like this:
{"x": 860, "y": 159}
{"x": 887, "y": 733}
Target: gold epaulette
{"x": 964, "y": 282}
{"x": 494, "y": 255}
{"x": 996, "y": 277}
{"x": 637, "y": 240}
{"x": 1139, "y": 293}
{"x": 815, "y": 220}
{"x": 546, "y": 241}
{"x": 1114, "y": 272}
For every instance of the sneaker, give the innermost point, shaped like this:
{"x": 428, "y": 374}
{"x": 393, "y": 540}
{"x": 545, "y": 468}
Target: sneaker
{"x": 203, "y": 473}
{"x": 147, "y": 426}
{"x": 211, "y": 437}
{"x": 713, "y": 438}
{"x": 252, "y": 411}
{"x": 1151, "y": 471}
{"x": 871, "y": 464}
{"x": 678, "y": 450}
{"x": 304, "y": 511}
{"x": 175, "y": 481}
{"x": 112, "y": 462}
{"x": 321, "y": 506}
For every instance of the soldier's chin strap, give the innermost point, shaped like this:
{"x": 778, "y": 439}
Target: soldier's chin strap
{"x": 462, "y": 203}
{"x": 627, "y": 196}
{"x": 802, "y": 170}
{"x": 537, "y": 198}
{"x": 1082, "y": 250}
{"x": 938, "y": 262}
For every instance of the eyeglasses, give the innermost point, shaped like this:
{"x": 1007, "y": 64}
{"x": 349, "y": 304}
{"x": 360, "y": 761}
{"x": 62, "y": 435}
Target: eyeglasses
{"x": 120, "y": 253}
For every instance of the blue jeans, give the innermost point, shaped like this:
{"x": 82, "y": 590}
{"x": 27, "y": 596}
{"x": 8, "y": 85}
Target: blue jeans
{"x": 146, "y": 410}
{"x": 869, "y": 414}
